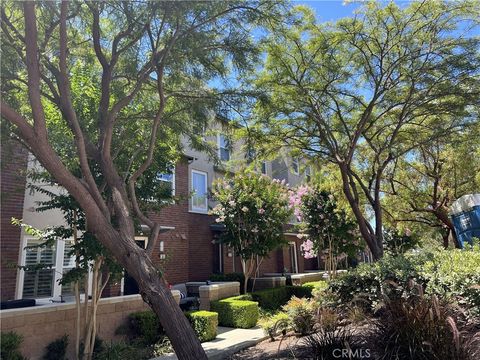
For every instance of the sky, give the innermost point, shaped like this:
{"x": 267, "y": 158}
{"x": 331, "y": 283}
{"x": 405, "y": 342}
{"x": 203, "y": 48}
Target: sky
{"x": 328, "y": 10}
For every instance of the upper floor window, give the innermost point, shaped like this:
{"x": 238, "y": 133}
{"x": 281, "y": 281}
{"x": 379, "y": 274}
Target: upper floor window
{"x": 308, "y": 173}
{"x": 224, "y": 147}
{"x": 295, "y": 166}
{"x": 199, "y": 191}
{"x": 167, "y": 180}
{"x": 264, "y": 167}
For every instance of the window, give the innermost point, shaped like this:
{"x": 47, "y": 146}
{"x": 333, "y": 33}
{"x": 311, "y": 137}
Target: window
{"x": 295, "y": 166}
{"x": 308, "y": 173}
{"x": 167, "y": 180}
{"x": 69, "y": 264}
{"x": 223, "y": 147}
{"x": 39, "y": 282}
{"x": 199, "y": 190}
{"x": 45, "y": 267}
{"x": 264, "y": 167}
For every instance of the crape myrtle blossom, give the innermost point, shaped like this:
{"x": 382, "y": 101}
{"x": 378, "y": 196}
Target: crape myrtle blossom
{"x": 254, "y": 209}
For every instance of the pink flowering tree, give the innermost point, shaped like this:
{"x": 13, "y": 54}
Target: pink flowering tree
{"x": 326, "y": 230}
{"x": 254, "y": 209}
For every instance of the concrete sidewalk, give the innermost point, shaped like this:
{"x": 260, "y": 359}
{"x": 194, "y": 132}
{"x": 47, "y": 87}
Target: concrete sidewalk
{"x": 228, "y": 342}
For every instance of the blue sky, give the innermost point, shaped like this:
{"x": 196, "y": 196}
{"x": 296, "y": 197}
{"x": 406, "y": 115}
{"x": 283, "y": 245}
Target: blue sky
{"x": 328, "y": 10}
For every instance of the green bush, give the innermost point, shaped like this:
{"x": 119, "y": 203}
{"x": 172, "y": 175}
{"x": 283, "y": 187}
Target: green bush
{"x": 275, "y": 324}
{"x": 57, "y": 349}
{"x": 204, "y": 323}
{"x": 124, "y": 351}
{"x": 301, "y": 314}
{"x": 145, "y": 326}
{"x": 272, "y": 299}
{"x": 307, "y": 289}
{"x": 9, "y": 344}
{"x": 454, "y": 274}
{"x": 275, "y": 298}
{"x": 236, "y": 312}
{"x": 237, "y": 276}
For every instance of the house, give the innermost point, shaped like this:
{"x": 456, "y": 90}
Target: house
{"x": 187, "y": 250}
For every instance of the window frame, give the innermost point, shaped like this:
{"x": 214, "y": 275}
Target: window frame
{"x": 192, "y": 207}
{"x": 57, "y": 269}
{"x": 171, "y": 181}
{"x": 296, "y": 164}
{"x": 228, "y": 148}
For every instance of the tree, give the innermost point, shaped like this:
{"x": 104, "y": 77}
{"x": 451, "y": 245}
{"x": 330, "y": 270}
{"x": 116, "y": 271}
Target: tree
{"x": 150, "y": 63}
{"x": 254, "y": 210}
{"x": 327, "y": 230}
{"x": 422, "y": 186}
{"x": 367, "y": 90}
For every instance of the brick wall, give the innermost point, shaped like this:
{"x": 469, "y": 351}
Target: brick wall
{"x": 13, "y": 166}
{"x": 176, "y": 242}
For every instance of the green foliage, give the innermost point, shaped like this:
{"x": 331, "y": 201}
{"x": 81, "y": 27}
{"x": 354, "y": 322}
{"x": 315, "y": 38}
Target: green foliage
{"x": 236, "y": 312}
{"x": 302, "y": 314}
{"x": 327, "y": 345}
{"x": 124, "y": 351}
{"x": 144, "y": 326}
{"x": 275, "y": 298}
{"x": 351, "y": 92}
{"x": 57, "y": 349}
{"x": 9, "y": 345}
{"x": 204, "y": 323}
{"x": 276, "y": 323}
{"x": 237, "y": 276}
{"x": 420, "y": 327}
{"x": 453, "y": 274}
{"x": 397, "y": 242}
{"x": 272, "y": 299}
{"x": 307, "y": 290}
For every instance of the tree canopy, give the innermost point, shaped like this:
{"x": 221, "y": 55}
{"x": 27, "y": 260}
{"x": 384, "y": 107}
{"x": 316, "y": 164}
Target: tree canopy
{"x": 367, "y": 90}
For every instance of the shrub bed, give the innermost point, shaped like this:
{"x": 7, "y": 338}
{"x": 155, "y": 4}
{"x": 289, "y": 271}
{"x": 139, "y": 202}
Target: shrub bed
{"x": 236, "y": 312}
{"x": 454, "y": 274}
{"x": 275, "y": 298}
{"x": 204, "y": 323}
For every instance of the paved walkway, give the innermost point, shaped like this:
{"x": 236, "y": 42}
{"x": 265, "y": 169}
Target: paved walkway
{"x": 228, "y": 342}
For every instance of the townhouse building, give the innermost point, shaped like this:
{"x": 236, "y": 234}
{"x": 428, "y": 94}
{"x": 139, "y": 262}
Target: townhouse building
{"x": 187, "y": 248}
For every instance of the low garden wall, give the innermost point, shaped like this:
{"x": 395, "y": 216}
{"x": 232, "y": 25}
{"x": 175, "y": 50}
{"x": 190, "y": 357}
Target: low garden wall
{"x": 40, "y": 325}
{"x": 269, "y": 282}
{"x": 216, "y": 291}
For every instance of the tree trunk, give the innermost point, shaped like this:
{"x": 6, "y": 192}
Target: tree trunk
{"x": 155, "y": 292}
{"x": 365, "y": 228}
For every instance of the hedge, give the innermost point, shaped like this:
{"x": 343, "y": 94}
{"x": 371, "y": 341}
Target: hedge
{"x": 240, "y": 277}
{"x": 272, "y": 299}
{"x": 145, "y": 325}
{"x": 236, "y": 312}
{"x": 275, "y": 298}
{"x": 204, "y": 323}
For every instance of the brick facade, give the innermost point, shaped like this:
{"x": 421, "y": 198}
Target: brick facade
{"x": 189, "y": 250}
{"x": 13, "y": 166}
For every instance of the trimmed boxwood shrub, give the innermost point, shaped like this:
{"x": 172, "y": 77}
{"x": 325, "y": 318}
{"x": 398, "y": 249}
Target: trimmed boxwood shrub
{"x": 272, "y": 299}
{"x": 236, "y": 312}
{"x": 275, "y": 298}
{"x": 306, "y": 290}
{"x": 145, "y": 326}
{"x": 204, "y": 323}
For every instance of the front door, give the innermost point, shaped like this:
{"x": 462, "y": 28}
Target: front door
{"x": 130, "y": 286}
